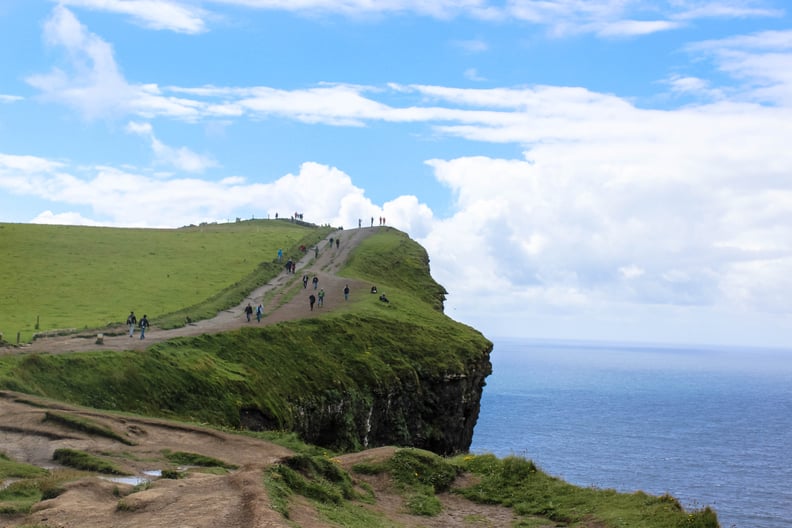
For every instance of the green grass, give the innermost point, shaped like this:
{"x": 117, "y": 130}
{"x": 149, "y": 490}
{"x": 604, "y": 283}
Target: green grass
{"x": 76, "y": 459}
{"x": 391, "y": 261}
{"x": 195, "y": 459}
{"x": 85, "y": 425}
{"x": 75, "y": 277}
{"x": 419, "y": 474}
{"x": 517, "y": 483}
{"x": 19, "y": 496}
{"x": 13, "y": 469}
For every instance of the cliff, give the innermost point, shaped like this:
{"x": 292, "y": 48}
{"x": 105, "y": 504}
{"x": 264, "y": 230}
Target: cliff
{"x": 353, "y": 374}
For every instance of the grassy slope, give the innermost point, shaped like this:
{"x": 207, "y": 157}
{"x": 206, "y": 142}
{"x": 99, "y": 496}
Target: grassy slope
{"x": 78, "y": 277}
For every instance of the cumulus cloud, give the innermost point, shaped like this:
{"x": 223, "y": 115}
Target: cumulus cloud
{"x": 121, "y": 197}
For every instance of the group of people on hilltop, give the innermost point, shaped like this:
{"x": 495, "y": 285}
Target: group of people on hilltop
{"x": 381, "y": 221}
{"x": 132, "y": 323}
{"x": 318, "y": 299}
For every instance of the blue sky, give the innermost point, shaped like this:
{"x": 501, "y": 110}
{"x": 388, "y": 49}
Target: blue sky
{"x": 605, "y": 169}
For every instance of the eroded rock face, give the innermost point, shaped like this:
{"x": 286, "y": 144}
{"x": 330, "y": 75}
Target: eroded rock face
{"x": 437, "y": 412}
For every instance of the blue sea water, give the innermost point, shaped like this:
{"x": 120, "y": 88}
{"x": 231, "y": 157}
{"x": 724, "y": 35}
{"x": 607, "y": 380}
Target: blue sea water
{"x": 712, "y": 426}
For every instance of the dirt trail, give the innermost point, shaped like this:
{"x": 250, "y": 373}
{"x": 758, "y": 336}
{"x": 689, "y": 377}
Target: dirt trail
{"x": 324, "y": 267}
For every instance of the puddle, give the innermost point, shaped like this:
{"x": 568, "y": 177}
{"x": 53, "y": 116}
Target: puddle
{"x": 136, "y": 480}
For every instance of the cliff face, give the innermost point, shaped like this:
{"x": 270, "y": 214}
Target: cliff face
{"x": 435, "y": 412}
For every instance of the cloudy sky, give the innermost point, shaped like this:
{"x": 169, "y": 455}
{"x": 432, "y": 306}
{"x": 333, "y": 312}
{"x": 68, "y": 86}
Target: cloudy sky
{"x": 601, "y": 169}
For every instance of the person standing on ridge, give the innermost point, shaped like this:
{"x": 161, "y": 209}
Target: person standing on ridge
{"x": 131, "y": 322}
{"x": 143, "y": 325}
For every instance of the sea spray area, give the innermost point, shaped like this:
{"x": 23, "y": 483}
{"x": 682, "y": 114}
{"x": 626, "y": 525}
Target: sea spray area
{"x": 710, "y": 426}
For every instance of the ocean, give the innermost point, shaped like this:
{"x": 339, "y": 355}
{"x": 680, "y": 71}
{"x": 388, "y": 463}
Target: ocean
{"x": 712, "y": 426}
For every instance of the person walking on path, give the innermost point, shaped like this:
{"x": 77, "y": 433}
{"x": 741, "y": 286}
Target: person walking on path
{"x": 346, "y": 292}
{"x": 280, "y": 255}
{"x": 259, "y": 312}
{"x": 315, "y": 281}
{"x": 316, "y": 251}
{"x": 248, "y": 312}
{"x": 305, "y": 281}
{"x": 311, "y": 300}
{"x": 338, "y": 242}
{"x": 321, "y": 297}
{"x": 132, "y": 323}
{"x": 143, "y": 325}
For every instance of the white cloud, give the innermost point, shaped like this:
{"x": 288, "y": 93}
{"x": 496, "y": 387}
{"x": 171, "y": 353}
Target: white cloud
{"x": 155, "y": 14}
{"x": 96, "y": 86}
{"x": 116, "y": 197}
{"x": 472, "y": 46}
{"x": 181, "y": 158}
{"x": 473, "y": 75}
{"x": 48, "y": 217}
{"x": 606, "y": 18}
{"x": 761, "y": 62}
{"x": 9, "y": 98}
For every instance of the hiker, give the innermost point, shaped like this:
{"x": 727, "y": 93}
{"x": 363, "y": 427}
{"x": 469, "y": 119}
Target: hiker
{"x": 248, "y": 312}
{"x": 383, "y": 298}
{"x": 259, "y": 312}
{"x": 280, "y": 251}
{"x": 311, "y": 300}
{"x": 131, "y": 322}
{"x": 331, "y": 241}
{"x": 143, "y": 325}
{"x": 338, "y": 241}
{"x": 305, "y": 281}
{"x": 360, "y": 223}
{"x": 321, "y": 297}
{"x": 372, "y": 221}
{"x": 316, "y": 251}
{"x": 346, "y": 292}
{"x": 315, "y": 281}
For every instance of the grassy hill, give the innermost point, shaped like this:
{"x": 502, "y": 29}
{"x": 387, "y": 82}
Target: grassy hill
{"x": 75, "y": 277}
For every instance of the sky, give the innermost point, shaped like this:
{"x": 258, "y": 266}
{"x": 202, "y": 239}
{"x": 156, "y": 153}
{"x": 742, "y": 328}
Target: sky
{"x": 613, "y": 170}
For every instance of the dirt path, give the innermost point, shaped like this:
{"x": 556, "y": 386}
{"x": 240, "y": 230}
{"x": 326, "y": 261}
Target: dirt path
{"x": 324, "y": 267}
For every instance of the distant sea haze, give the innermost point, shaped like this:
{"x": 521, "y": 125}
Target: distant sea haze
{"x": 712, "y": 426}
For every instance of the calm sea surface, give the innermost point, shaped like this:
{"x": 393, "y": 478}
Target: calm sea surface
{"x": 711, "y": 426}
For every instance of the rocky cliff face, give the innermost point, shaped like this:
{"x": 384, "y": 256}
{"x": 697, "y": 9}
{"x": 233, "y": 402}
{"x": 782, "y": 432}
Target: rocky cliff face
{"x": 437, "y": 412}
